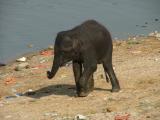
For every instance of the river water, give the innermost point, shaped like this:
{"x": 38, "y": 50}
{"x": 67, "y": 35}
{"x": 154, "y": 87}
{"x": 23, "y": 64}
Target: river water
{"x": 36, "y": 22}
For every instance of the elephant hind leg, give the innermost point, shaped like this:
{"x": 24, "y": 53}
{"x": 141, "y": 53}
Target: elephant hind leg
{"x": 109, "y": 70}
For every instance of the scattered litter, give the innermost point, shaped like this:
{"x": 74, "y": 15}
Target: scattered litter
{"x": 80, "y": 117}
{"x": 22, "y": 66}
{"x": 10, "y": 80}
{"x": 122, "y": 117}
{"x": 46, "y": 53}
{"x": 22, "y": 59}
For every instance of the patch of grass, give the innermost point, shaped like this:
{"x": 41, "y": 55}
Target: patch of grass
{"x": 133, "y": 42}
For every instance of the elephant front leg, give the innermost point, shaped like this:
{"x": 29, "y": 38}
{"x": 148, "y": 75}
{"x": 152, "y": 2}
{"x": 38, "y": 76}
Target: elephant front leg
{"x": 77, "y": 70}
{"x": 86, "y": 80}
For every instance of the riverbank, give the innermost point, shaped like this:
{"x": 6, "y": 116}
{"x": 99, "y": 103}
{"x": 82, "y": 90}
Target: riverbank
{"x": 26, "y": 93}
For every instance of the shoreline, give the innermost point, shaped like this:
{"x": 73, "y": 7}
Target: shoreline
{"x": 33, "y": 53}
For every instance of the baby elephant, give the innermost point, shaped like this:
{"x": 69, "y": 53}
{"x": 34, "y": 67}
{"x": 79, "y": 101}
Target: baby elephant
{"x": 86, "y": 46}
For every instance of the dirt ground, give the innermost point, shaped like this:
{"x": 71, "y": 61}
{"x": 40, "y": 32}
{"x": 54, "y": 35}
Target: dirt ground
{"x": 27, "y": 94}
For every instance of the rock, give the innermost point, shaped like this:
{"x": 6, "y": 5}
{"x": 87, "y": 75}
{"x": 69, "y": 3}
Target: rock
{"x": 22, "y": 66}
{"x": 80, "y": 117}
{"x": 22, "y": 59}
{"x": 2, "y": 64}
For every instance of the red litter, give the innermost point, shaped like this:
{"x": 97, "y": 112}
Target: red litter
{"x": 122, "y": 117}
{"x": 47, "y": 52}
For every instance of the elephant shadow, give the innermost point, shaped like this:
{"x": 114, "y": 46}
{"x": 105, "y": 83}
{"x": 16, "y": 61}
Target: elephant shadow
{"x": 59, "y": 89}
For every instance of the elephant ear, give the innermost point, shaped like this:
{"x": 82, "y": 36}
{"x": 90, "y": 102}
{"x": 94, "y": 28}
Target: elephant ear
{"x": 76, "y": 44}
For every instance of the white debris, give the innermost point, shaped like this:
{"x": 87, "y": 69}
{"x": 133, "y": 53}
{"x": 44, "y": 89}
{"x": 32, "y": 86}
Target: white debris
{"x": 155, "y": 34}
{"x": 80, "y": 117}
{"x": 22, "y": 59}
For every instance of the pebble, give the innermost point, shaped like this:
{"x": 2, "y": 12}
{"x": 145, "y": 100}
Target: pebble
{"x": 22, "y": 66}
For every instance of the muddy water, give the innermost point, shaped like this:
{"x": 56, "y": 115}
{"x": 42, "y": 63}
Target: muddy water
{"x": 36, "y": 22}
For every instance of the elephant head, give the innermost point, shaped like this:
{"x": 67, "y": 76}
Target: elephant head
{"x": 65, "y": 50}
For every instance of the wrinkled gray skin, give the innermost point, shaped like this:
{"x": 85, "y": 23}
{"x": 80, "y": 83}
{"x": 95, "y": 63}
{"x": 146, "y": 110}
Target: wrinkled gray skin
{"x": 86, "y": 46}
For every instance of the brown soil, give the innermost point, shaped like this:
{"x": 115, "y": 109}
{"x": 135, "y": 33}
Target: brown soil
{"x": 137, "y": 66}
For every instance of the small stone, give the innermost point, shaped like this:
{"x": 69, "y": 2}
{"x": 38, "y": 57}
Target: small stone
{"x": 80, "y": 117}
{"x": 22, "y": 59}
{"x": 22, "y": 66}
{"x": 148, "y": 116}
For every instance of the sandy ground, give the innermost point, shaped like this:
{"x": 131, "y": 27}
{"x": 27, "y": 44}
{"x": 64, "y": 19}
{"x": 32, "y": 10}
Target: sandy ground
{"x": 28, "y": 94}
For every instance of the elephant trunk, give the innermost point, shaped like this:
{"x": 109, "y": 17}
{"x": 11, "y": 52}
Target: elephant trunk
{"x": 55, "y": 67}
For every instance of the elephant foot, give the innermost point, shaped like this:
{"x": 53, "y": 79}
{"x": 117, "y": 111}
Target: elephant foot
{"x": 115, "y": 90}
{"x": 49, "y": 75}
{"x": 83, "y": 94}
